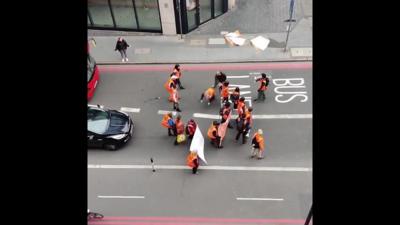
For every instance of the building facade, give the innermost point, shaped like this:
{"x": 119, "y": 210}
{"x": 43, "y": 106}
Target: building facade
{"x": 168, "y": 17}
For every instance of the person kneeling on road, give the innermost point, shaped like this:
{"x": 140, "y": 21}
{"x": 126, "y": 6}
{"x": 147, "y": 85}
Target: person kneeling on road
{"x": 209, "y": 94}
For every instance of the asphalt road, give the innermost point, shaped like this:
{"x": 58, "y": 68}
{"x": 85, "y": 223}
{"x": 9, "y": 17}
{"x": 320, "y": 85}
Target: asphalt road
{"x": 172, "y": 193}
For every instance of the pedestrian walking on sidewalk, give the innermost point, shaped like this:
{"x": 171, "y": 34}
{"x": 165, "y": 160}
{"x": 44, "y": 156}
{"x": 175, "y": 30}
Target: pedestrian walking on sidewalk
{"x": 169, "y": 123}
{"x": 264, "y": 81}
{"x": 257, "y": 145}
{"x": 193, "y": 162}
{"x": 121, "y": 46}
{"x": 178, "y": 73}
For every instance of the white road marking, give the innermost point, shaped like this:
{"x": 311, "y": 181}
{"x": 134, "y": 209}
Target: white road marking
{"x": 251, "y": 73}
{"x": 279, "y": 116}
{"x": 245, "y": 92}
{"x": 120, "y": 196}
{"x": 239, "y": 85}
{"x": 163, "y": 112}
{"x": 127, "y": 109}
{"x": 179, "y": 167}
{"x": 245, "y": 76}
{"x": 261, "y": 199}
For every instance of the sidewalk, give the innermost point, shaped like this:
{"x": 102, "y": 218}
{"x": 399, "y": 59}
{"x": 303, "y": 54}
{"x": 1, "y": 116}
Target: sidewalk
{"x": 158, "y": 49}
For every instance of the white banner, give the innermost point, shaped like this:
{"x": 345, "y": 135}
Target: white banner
{"x": 198, "y": 144}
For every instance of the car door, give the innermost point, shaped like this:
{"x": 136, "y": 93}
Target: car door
{"x": 94, "y": 140}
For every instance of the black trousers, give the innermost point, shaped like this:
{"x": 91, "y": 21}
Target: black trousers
{"x": 194, "y": 169}
{"x": 173, "y": 129}
{"x": 178, "y": 82}
{"x": 243, "y": 133}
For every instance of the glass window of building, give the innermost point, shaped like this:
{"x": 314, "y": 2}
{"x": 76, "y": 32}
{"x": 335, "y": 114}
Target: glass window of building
{"x": 100, "y": 12}
{"x": 88, "y": 21}
{"x": 148, "y": 14}
{"x": 218, "y": 7}
{"x": 205, "y": 10}
{"x": 124, "y": 14}
{"x": 191, "y": 14}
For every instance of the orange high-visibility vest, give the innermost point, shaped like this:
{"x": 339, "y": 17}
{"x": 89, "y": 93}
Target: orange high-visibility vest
{"x": 167, "y": 85}
{"x": 259, "y": 140}
{"x": 189, "y": 160}
{"x": 164, "y": 121}
{"x": 180, "y": 128}
{"x": 211, "y": 129}
{"x": 263, "y": 84}
{"x": 249, "y": 118}
{"x": 240, "y": 108}
{"x": 225, "y": 92}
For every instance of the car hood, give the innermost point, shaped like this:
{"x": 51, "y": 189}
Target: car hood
{"x": 119, "y": 123}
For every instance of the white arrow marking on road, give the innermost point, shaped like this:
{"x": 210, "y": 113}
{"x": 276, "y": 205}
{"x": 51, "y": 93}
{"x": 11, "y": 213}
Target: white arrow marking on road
{"x": 120, "y": 196}
{"x": 163, "y": 112}
{"x": 245, "y": 76}
{"x": 126, "y": 109}
{"x": 179, "y": 167}
{"x": 280, "y": 116}
{"x": 261, "y": 199}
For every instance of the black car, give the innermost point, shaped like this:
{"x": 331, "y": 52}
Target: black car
{"x": 108, "y": 128}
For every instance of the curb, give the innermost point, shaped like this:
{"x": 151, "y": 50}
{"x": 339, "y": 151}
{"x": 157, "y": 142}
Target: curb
{"x": 306, "y": 59}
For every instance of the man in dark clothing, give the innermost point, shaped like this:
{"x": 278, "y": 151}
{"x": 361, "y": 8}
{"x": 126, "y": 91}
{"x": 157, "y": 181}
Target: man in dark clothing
{"x": 264, "y": 81}
{"x": 121, "y": 46}
{"x": 241, "y": 128}
{"x": 220, "y": 77}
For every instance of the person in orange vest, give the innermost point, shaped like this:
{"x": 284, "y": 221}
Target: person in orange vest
{"x": 235, "y": 97}
{"x": 225, "y": 92}
{"x": 264, "y": 81}
{"x": 180, "y": 128}
{"x": 241, "y": 108}
{"x": 192, "y": 161}
{"x": 174, "y": 97}
{"x": 169, "y": 123}
{"x": 224, "y": 113}
{"x": 213, "y": 135}
{"x": 258, "y": 145}
{"x": 248, "y": 122}
{"x": 177, "y": 71}
{"x": 209, "y": 94}
{"x": 170, "y": 84}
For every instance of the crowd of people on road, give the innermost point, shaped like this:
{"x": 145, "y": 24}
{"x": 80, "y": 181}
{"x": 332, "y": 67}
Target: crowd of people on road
{"x": 230, "y": 101}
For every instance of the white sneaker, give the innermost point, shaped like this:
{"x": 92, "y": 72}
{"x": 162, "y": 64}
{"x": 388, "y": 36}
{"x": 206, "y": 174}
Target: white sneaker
{"x": 126, "y": 59}
{"x": 123, "y": 60}
{"x": 208, "y": 103}
{"x": 201, "y": 101}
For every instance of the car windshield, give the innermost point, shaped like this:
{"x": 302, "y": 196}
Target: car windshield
{"x": 90, "y": 67}
{"x": 98, "y": 120}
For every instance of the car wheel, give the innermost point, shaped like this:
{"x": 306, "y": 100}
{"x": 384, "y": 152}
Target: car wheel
{"x": 111, "y": 147}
